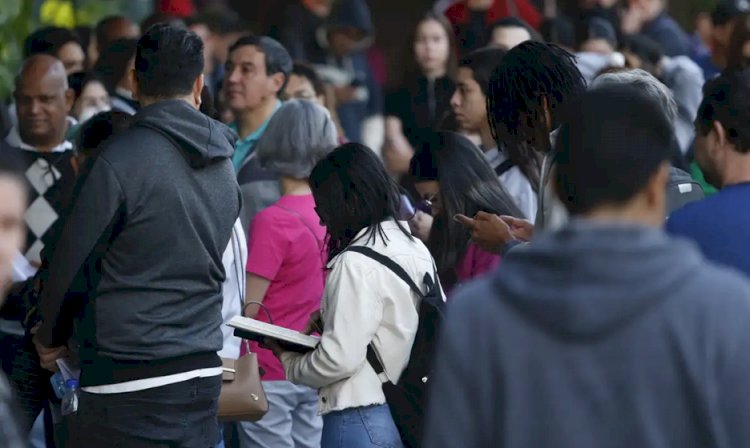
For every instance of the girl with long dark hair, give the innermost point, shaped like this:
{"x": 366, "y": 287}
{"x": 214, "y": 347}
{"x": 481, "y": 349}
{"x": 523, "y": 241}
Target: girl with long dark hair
{"x": 364, "y": 303}
{"x": 453, "y": 178}
{"x": 420, "y": 104}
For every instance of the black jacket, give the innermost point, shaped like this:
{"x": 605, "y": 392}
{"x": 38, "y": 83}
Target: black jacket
{"x": 156, "y": 213}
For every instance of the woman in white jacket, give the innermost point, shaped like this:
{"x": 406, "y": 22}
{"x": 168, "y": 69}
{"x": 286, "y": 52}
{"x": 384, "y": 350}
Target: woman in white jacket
{"x": 363, "y": 303}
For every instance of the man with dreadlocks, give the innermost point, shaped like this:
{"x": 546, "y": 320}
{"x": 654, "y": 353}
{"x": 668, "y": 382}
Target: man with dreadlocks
{"x": 527, "y": 94}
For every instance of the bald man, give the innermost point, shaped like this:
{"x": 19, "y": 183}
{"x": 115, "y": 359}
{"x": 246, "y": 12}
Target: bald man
{"x": 43, "y": 101}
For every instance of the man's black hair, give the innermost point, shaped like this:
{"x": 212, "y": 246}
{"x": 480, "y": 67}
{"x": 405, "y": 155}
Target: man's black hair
{"x": 726, "y": 10}
{"x": 613, "y": 139}
{"x": 77, "y": 81}
{"x": 168, "y": 60}
{"x": 531, "y": 74}
{"x": 596, "y": 28}
{"x": 48, "y": 40}
{"x": 218, "y": 21}
{"x": 114, "y": 61}
{"x": 559, "y": 31}
{"x": 277, "y": 57}
{"x": 515, "y": 22}
{"x": 482, "y": 63}
{"x": 161, "y": 18}
{"x": 305, "y": 71}
{"x": 648, "y": 51}
{"x": 726, "y": 99}
{"x": 102, "y": 32}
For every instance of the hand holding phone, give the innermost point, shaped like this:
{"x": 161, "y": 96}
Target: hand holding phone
{"x": 487, "y": 230}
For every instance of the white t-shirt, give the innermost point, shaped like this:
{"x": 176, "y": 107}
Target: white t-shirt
{"x": 516, "y": 184}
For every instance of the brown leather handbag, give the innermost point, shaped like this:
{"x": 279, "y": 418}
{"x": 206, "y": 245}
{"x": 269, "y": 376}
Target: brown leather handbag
{"x": 242, "y": 397}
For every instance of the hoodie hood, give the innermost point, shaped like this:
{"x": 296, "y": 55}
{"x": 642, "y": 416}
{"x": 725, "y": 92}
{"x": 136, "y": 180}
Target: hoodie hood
{"x": 202, "y": 140}
{"x": 589, "y": 279}
{"x": 348, "y": 14}
{"x": 351, "y": 14}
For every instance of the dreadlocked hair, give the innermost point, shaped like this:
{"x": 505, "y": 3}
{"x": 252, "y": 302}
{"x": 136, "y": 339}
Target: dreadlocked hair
{"x": 528, "y": 75}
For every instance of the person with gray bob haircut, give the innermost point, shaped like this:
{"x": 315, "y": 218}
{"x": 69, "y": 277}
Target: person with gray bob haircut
{"x": 303, "y": 133}
{"x": 285, "y": 268}
{"x": 644, "y": 81}
{"x": 681, "y": 188}
{"x": 298, "y": 136}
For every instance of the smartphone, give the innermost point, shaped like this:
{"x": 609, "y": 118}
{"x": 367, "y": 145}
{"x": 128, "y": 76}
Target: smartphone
{"x": 406, "y": 210}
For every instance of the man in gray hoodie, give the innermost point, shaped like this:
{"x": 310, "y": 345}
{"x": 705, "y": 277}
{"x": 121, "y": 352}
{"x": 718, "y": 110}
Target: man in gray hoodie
{"x": 153, "y": 219}
{"x": 605, "y": 333}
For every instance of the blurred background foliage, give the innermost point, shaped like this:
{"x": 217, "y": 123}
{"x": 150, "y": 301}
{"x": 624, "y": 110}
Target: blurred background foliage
{"x": 19, "y": 17}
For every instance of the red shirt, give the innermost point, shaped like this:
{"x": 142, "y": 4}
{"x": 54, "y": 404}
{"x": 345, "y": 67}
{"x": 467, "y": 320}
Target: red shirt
{"x": 458, "y": 13}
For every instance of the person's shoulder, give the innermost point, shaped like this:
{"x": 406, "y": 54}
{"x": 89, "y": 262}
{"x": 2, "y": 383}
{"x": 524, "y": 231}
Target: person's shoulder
{"x": 477, "y": 300}
{"x": 699, "y": 212}
{"x": 719, "y": 291}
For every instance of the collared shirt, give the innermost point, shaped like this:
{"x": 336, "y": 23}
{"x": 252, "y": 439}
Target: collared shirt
{"x": 14, "y": 139}
{"x": 246, "y": 145}
{"x": 515, "y": 183}
{"x": 44, "y": 172}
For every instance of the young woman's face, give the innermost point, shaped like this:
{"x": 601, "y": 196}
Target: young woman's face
{"x": 432, "y": 47}
{"x": 429, "y": 194}
{"x": 94, "y": 99}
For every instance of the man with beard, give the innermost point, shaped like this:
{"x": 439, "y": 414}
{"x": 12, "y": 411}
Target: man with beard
{"x": 722, "y": 149}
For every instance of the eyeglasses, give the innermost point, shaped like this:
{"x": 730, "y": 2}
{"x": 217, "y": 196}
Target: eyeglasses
{"x": 408, "y": 211}
{"x": 425, "y": 205}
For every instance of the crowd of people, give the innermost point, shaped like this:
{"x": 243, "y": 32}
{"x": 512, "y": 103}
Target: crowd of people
{"x": 536, "y": 239}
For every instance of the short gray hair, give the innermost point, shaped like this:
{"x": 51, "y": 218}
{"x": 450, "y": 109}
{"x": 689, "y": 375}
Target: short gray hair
{"x": 300, "y": 134}
{"x": 645, "y": 81}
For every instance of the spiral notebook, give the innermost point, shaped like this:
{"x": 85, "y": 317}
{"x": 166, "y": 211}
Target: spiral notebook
{"x": 255, "y": 330}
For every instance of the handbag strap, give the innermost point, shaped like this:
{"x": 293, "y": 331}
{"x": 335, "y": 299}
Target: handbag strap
{"x": 239, "y": 263}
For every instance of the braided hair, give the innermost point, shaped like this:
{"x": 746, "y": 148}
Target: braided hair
{"x": 533, "y": 79}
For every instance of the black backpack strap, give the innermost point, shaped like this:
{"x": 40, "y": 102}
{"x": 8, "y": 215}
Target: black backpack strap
{"x": 390, "y": 264}
{"x": 372, "y": 357}
{"x": 504, "y": 167}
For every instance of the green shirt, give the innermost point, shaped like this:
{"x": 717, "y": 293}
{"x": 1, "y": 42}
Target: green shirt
{"x": 245, "y": 146}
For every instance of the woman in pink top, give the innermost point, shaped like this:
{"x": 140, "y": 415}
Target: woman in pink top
{"x": 285, "y": 267}
{"x": 452, "y": 177}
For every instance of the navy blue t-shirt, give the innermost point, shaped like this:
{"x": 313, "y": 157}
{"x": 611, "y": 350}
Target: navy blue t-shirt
{"x": 720, "y": 225}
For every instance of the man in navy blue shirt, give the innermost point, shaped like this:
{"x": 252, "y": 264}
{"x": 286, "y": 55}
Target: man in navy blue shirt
{"x": 650, "y": 18}
{"x": 720, "y": 224}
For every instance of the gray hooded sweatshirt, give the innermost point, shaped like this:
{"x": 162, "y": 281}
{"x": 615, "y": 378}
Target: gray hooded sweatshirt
{"x": 607, "y": 336}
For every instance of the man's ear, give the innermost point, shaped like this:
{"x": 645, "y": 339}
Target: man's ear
{"x": 69, "y": 100}
{"x": 721, "y": 133}
{"x": 278, "y": 80}
{"x": 197, "y": 90}
{"x": 134, "y": 84}
{"x": 657, "y": 185}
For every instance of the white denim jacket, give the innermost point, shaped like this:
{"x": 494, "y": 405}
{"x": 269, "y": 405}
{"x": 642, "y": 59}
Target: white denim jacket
{"x": 363, "y": 302}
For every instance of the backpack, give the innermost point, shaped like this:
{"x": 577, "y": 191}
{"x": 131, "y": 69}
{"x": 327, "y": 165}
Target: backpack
{"x": 681, "y": 190}
{"x": 407, "y": 399}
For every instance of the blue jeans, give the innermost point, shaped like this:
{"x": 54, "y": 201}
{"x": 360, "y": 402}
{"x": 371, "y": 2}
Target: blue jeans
{"x": 368, "y": 427}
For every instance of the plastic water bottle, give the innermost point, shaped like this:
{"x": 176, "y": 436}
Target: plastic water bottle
{"x": 58, "y": 385}
{"x": 70, "y": 399}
